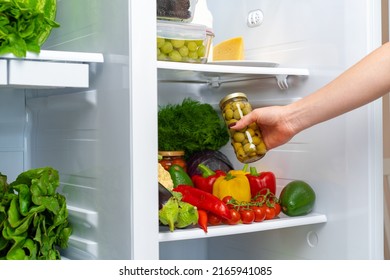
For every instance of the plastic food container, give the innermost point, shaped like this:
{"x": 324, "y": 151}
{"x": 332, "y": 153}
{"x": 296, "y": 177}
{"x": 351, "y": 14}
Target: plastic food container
{"x": 183, "y": 42}
{"x": 176, "y": 10}
{"x": 247, "y": 143}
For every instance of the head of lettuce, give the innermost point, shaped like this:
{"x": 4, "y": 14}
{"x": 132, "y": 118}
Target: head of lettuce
{"x": 25, "y": 25}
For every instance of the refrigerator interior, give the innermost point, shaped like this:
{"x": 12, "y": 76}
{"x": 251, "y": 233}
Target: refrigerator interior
{"x": 341, "y": 159}
{"x": 103, "y": 138}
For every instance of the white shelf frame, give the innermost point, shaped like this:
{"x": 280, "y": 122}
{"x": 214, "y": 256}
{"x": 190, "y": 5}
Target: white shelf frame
{"x": 48, "y": 69}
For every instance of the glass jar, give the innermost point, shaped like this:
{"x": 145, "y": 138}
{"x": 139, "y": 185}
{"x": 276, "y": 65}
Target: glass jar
{"x": 172, "y": 157}
{"x": 247, "y": 143}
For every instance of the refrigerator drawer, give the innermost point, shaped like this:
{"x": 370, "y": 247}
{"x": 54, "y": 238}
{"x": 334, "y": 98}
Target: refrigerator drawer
{"x": 48, "y": 74}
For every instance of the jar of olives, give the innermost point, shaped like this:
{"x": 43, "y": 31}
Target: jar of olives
{"x": 247, "y": 142}
{"x": 168, "y": 158}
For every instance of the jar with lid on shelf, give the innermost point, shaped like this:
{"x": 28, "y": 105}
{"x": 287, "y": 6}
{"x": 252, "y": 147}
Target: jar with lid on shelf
{"x": 247, "y": 143}
{"x": 168, "y": 158}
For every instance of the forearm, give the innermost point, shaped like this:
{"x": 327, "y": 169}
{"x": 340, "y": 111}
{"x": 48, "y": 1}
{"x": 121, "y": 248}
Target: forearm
{"x": 364, "y": 82}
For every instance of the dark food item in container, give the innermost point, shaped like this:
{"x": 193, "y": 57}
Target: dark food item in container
{"x": 174, "y": 8}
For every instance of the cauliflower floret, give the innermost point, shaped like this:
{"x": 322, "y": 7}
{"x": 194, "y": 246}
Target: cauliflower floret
{"x": 164, "y": 178}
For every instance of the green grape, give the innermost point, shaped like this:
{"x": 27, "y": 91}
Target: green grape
{"x": 192, "y": 46}
{"x": 199, "y": 42}
{"x": 183, "y": 51}
{"x": 175, "y": 55}
{"x": 177, "y": 43}
{"x": 193, "y": 55}
{"x": 201, "y": 51}
{"x": 160, "y": 42}
{"x": 162, "y": 56}
{"x": 167, "y": 47}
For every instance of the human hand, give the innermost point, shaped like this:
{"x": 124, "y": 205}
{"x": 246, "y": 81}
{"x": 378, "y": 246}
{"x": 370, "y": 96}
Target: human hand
{"x": 274, "y": 126}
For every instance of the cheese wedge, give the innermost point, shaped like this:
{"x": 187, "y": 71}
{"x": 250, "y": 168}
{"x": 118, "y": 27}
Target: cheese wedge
{"x": 231, "y": 49}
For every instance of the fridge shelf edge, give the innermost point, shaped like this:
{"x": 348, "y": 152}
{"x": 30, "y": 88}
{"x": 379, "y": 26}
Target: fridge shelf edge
{"x": 224, "y": 230}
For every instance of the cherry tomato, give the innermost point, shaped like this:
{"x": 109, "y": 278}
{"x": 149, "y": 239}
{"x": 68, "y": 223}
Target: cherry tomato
{"x": 227, "y": 200}
{"x": 247, "y": 216}
{"x": 213, "y": 219}
{"x": 259, "y": 213}
{"x": 277, "y": 208}
{"x": 269, "y": 212}
{"x": 235, "y": 217}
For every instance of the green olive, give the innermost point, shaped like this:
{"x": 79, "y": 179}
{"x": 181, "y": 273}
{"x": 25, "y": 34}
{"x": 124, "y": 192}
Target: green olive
{"x": 239, "y": 137}
{"x": 228, "y": 114}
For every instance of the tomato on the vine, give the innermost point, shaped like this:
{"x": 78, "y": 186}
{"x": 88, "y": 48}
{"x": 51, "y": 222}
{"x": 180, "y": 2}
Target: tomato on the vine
{"x": 247, "y": 215}
{"x": 235, "y": 217}
{"x": 269, "y": 212}
{"x": 259, "y": 213}
{"x": 228, "y": 201}
{"x": 213, "y": 219}
{"x": 277, "y": 208}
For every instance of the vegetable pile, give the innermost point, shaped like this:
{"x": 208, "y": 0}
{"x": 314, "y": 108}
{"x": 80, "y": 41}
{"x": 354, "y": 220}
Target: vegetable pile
{"x": 231, "y": 197}
{"x": 190, "y": 126}
{"x": 25, "y": 25}
{"x": 33, "y": 216}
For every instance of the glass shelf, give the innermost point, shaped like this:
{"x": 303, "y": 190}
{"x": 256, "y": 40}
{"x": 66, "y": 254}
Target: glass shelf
{"x": 222, "y": 230}
{"x": 214, "y": 75}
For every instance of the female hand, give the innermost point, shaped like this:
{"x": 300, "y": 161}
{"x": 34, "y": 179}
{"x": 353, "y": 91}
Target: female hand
{"x": 274, "y": 126}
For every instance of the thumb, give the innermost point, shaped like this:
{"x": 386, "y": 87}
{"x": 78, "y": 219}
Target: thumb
{"x": 244, "y": 121}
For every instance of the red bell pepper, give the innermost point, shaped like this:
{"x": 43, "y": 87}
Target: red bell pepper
{"x": 203, "y": 200}
{"x": 206, "y": 181}
{"x": 259, "y": 182}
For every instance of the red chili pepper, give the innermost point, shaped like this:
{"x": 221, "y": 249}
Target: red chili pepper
{"x": 203, "y": 200}
{"x": 206, "y": 181}
{"x": 202, "y": 219}
{"x": 259, "y": 182}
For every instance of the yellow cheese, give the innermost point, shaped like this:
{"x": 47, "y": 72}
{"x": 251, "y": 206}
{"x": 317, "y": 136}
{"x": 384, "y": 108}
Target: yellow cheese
{"x": 231, "y": 49}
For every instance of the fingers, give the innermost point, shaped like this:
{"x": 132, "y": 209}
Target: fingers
{"x": 243, "y": 122}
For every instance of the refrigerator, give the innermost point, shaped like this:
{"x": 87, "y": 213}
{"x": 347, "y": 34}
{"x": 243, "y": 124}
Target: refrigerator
{"x": 87, "y": 106}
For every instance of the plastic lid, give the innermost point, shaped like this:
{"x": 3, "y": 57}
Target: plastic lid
{"x": 181, "y": 30}
{"x": 230, "y": 96}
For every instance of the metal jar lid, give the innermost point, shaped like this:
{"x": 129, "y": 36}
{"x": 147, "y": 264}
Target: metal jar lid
{"x": 231, "y": 96}
{"x": 171, "y": 153}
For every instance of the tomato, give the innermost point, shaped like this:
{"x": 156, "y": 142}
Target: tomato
{"x": 269, "y": 212}
{"x": 213, "y": 219}
{"x": 259, "y": 213}
{"x": 277, "y": 208}
{"x": 228, "y": 201}
{"x": 235, "y": 217}
{"x": 247, "y": 216}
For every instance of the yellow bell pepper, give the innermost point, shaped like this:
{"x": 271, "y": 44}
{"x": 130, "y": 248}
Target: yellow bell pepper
{"x": 234, "y": 184}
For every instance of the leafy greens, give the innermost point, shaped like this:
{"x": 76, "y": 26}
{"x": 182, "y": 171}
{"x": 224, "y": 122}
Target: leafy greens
{"x": 22, "y": 26}
{"x": 190, "y": 126}
{"x": 33, "y": 216}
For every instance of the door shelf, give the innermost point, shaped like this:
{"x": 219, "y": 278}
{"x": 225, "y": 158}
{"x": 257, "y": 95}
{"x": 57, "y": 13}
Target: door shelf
{"x": 215, "y": 75}
{"x": 48, "y": 69}
{"x": 222, "y": 230}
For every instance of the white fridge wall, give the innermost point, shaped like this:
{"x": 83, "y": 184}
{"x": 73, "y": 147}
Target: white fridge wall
{"x": 341, "y": 159}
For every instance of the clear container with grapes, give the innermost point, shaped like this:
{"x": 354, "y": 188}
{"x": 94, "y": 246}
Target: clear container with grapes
{"x": 183, "y": 42}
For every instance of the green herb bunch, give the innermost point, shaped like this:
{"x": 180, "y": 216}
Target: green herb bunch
{"x": 23, "y": 27}
{"x": 190, "y": 126}
{"x": 33, "y": 216}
